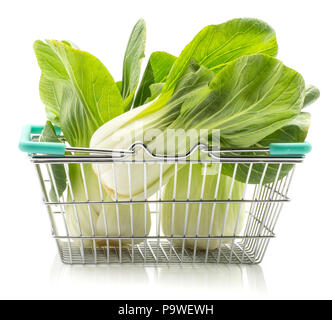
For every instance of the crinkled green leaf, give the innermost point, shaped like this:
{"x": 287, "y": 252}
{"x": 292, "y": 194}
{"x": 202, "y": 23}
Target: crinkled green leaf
{"x": 132, "y": 59}
{"x": 294, "y": 131}
{"x": 119, "y": 85}
{"x": 155, "y": 90}
{"x": 156, "y": 71}
{"x": 86, "y": 93}
{"x": 248, "y": 100}
{"x": 70, "y": 43}
{"x": 58, "y": 170}
{"x": 311, "y": 95}
{"x": 216, "y": 45}
{"x": 51, "y": 93}
{"x": 164, "y": 110}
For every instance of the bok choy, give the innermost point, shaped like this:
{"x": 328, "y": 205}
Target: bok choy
{"x": 249, "y": 99}
{"x": 202, "y": 219}
{"x": 226, "y": 89}
{"x": 80, "y": 95}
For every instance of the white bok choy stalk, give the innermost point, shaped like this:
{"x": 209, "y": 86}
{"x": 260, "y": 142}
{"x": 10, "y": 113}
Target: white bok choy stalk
{"x": 80, "y": 95}
{"x": 102, "y": 220}
{"x": 121, "y": 221}
{"x": 246, "y": 101}
{"x": 202, "y": 219}
{"x": 146, "y": 123}
{"x": 212, "y": 48}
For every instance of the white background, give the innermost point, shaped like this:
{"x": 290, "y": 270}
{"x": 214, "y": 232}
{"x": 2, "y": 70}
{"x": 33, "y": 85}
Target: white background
{"x": 298, "y": 262}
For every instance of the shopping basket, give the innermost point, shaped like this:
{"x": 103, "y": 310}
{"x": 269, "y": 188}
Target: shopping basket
{"x": 265, "y": 175}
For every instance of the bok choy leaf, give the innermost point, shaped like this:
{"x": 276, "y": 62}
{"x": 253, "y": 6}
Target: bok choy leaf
{"x": 58, "y": 170}
{"x": 311, "y": 95}
{"x": 156, "y": 71}
{"x": 88, "y": 93}
{"x": 80, "y": 95}
{"x": 246, "y": 101}
{"x": 132, "y": 62}
{"x": 294, "y": 131}
{"x": 216, "y": 45}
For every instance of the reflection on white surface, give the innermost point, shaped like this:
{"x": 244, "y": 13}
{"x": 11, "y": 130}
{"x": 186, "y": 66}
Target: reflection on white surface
{"x": 100, "y": 274}
{"x": 221, "y": 279}
{"x": 217, "y": 278}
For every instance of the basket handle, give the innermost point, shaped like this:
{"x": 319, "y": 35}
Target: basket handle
{"x": 26, "y": 145}
{"x": 289, "y": 149}
{"x": 55, "y": 148}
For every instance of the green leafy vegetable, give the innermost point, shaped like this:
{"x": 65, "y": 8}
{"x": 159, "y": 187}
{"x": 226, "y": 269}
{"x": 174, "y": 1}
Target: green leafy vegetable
{"x": 294, "y": 131}
{"x": 80, "y": 95}
{"x": 58, "y": 170}
{"x": 89, "y": 95}
{"x": 156, "y": 72}
{"x": 51, "y": 93}
{"x": 141, "y": 223}
{"x": 101, "y": 220}
{"x": 124, "y": 131}
{"x": 81, "y": 219}
{"x": 155, "y": 91}
{"x": 132, "y": 61}
{"x": 311, "y": 95}
{"x": 70, "y": 44}
{"x": 225, "y": 86}
{"x": 119, "y": 85}
{"x": 216, "y": 45}
{"x": 246, "y": 101}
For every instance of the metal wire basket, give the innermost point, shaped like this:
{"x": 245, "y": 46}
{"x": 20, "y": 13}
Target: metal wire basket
{"x": 265, "y": 176}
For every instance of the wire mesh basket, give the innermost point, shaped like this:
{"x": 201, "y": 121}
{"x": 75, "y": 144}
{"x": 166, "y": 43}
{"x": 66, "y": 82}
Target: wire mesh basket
{"x": 221, "y": 207}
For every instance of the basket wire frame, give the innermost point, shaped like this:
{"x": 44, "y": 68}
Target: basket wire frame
{"x": 261, "y": 205}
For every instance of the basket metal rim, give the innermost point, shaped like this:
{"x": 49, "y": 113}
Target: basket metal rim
{"x": 128, "y": 156}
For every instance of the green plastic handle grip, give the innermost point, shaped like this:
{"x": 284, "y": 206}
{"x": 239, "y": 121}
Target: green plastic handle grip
{"x": 289, "y": 149}
{"x": 51, "y": 148}
{"x": 54, "y": 148}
